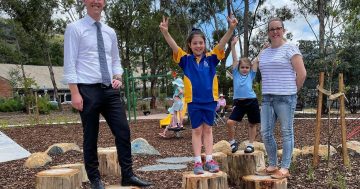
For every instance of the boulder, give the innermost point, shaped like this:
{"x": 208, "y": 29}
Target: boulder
{"x": 296, "y": 153}
{"x": 353, "y": 148}
{"x": 222, "y": 146}
{"x": 323, "y": 150}
{"x": 257, "y": 145}
{"x": 60, "y": 148}
{"x": 141, "y": 146}
{"x": 37, "y": 160}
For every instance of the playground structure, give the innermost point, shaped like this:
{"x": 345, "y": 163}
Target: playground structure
{"x": 130, "y": 91}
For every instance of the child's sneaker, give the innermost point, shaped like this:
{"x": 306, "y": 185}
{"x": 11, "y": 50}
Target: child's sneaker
{"x": 198, "y": 168}
{"x": 234, "y": 147}
{"x": 212, "y": 166}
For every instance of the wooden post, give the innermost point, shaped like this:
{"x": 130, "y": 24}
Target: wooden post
{"x": 318, "y": 121}
{"x": 79, "y": 166}
{"x": 58, "y": 179}
{"x": 108, "y": 162}
{"x": 345, "y": 154}
{"x": 36, "y": 108}
{"x": 263, "y": 182}
{"x": 205, "y": 181}
{"x": 241, "y": 164}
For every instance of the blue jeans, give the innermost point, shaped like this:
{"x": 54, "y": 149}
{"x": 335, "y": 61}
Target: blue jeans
{"x": 281, "y": 107}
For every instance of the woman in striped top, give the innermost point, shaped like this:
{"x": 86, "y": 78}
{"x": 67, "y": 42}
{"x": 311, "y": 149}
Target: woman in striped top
{"x": 283, "y": 74}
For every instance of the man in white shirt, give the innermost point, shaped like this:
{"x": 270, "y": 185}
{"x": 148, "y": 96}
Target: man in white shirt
{"x": 93, "y": 71}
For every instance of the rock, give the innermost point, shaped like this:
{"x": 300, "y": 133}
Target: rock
{"x": 323, "y": 150}
{"x": 296, "y": 153}
{"x": 37, "y": 160}
{"x": 163, "y": 167}
{"x": 60, "y": 148}
{"x": 353, "y": 148}
{"x": 257, "y": 145}
{"x": 176, "y": 160}
{"x": 141, "y": 146}
{"x": 222, "y": 146}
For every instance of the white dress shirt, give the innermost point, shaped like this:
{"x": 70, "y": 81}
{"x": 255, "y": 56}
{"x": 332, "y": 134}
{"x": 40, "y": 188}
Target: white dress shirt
{"x": 81, "y": 57}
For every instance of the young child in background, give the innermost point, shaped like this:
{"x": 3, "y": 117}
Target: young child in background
{"x": 201, "y": 87}
{"x": 220, "y": 108}
{"x": 177, "y": 107}
{"x": 245, "y": 100}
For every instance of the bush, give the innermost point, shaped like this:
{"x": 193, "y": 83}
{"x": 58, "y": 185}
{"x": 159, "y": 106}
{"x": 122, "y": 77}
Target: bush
{"x": 11, "y": 105}
{"x": 45, "y": 106}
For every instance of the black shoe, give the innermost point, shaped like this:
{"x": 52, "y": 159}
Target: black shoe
{"x": 249, "y": 149}
{"x": 234, "y": 147}
{"x": 134, "y": 181}
{"x": 97, "y": 184}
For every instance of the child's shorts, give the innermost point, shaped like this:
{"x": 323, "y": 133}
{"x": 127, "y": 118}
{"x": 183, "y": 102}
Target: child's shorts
{"x": 200, "y": 113}
{"x": 246, "y": 106}
{"x": 177, "y": 106}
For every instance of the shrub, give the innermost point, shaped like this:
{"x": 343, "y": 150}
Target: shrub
{"x": 11, "y": 105}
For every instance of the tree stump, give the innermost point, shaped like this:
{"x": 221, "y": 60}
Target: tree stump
{"x": 121, "y": 187}
{"x": 108, "y": 162}
{"x": 241, "y": 164}
{"x": 263, "y": 182}
{"x": 221, "y": 158}
{"x": 205, "y": 181}
{"x": 79, "y": 166}
{"x": 63, "y": 178}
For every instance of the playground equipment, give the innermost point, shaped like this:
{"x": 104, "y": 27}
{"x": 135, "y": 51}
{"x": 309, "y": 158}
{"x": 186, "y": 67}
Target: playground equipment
{"x": 167, "y": 120}
{"x": 131, "y": 97}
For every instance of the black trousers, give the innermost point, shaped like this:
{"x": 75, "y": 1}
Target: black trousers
{"x": 97, "y": 100}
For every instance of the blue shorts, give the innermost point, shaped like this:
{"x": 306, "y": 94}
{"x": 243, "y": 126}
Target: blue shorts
{"x": 200, "y": 113}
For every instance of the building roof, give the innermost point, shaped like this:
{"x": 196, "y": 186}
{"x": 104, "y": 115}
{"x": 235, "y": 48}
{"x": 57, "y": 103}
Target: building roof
{"x": 40, "y": 74}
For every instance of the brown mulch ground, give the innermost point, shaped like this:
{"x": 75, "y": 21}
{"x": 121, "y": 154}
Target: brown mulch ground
{"x": 330, "y": 174}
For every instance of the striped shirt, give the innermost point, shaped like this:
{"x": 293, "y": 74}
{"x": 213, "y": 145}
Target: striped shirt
{"x": 277, "y": 72}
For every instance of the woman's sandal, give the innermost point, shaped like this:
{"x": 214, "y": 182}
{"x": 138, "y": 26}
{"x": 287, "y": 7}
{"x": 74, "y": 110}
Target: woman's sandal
{"x": 279, "y": 175}
{"x": 163, "y": 135}
{"x": 249, "y": 149}
{"x": 265, "y": 172}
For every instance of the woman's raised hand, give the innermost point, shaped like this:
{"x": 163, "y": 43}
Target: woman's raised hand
{"x": 164, "y": 25}
{"x": 234, "y": 41}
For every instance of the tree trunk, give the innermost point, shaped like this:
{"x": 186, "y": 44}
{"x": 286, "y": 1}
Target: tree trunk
{"x": 241, "y": 164}
{"x": 246, "y": 28}
{"x": 205, "y": 181}
{"x": 221, "y": 158}
{"x": 108, "y": 162}
{"x": 78, "y": 166}
{"x": 263, "y": 182}
{"x": 52, "y": 77}
{"x": 58, "y": 179}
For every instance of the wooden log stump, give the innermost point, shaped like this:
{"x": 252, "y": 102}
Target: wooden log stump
{"x": 241, "y": 164}
{"x": 221, "y": 158}
{"x": 63, "y": 178}
{"x": 108, "y": 162}
{"x": 121, "y": 187}
{"x": 79, "y": 166}
{"x": 263, "y": 182}
{"x": 205, "y": 181}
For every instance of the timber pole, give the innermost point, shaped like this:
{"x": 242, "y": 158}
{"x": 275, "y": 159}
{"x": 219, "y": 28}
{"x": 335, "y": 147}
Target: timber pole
{"x": 318, "y": 121}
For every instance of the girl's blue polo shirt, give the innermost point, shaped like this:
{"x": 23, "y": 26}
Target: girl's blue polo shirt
{"x": 200, "y": 80}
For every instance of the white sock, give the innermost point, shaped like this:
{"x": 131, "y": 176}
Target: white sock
{"x": 208, "y": 158}
{"x": 197, "y": 159}
{"x": 232, "y": 141}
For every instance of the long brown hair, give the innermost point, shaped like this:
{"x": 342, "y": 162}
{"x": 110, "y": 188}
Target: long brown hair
{"x": 193, "y": 32}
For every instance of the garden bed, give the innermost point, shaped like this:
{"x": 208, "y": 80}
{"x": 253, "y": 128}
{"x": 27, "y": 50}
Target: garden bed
{"x": 38, "y": 138}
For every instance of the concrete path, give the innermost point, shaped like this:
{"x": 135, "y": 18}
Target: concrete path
{"x": 10, "y": 150}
